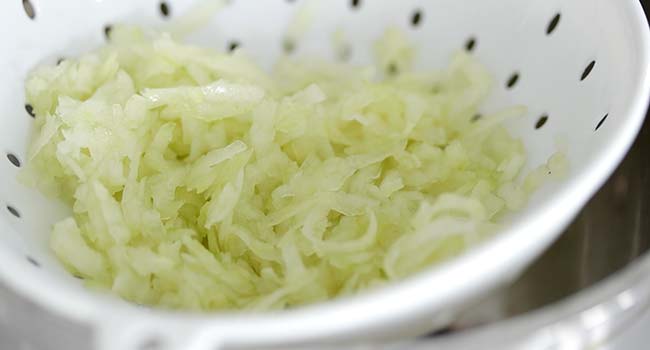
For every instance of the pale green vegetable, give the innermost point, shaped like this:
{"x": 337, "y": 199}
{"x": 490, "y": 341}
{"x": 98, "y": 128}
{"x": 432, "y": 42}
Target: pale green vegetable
{"x": 198, "y": 181}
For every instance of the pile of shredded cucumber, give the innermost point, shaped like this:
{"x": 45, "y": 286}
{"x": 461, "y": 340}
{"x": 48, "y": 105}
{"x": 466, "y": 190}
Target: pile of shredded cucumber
{"x": 199, "y": 181}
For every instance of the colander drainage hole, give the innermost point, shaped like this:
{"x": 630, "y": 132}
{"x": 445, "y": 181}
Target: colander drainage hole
{"x": 233, "y": 45}
{"x": 30, "y": 110}
{"x": 441, "y": 332}
{"x": 13, "y": 159}
{"x": 288, "y": 45}
{"x": 600, "y": 123}
{"x": 164, "y": 9}
{"x": 29, "y": 9}
{"x": 416, "y": 18}
{"x": 553, "y": 24}
{"x": 470, "y": 44}
{"x": 33, "y": 261}
{"x": 590, "y": 67}
{"x": 107, "y": 31}
{"x": 541, "y": 122}
{"x": 512, "y": 81}
{"x": 13, "y": 211}
{"x": 392, "y": 69}
{"x": 151, "y": 344}
{"x": 345, "y": 53}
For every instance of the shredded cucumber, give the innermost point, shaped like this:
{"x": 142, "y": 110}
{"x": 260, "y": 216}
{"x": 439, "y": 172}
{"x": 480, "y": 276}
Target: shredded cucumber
{"x": 198, "y": 181}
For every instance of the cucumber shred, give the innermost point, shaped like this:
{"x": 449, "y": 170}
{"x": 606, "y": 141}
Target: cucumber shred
{"x": 199, "y": 181}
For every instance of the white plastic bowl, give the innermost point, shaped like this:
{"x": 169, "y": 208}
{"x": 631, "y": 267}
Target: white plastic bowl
{"x": 583, "y": 64}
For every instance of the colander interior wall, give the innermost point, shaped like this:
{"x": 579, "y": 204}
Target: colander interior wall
{"x": 577, "y": 65}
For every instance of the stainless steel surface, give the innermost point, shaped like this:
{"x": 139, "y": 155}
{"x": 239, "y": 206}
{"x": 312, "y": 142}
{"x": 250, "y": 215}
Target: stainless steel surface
{"x": 611, "y": 232}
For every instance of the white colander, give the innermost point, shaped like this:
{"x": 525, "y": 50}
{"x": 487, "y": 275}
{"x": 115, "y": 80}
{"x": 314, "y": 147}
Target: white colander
{"x": 581, "y": 67}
